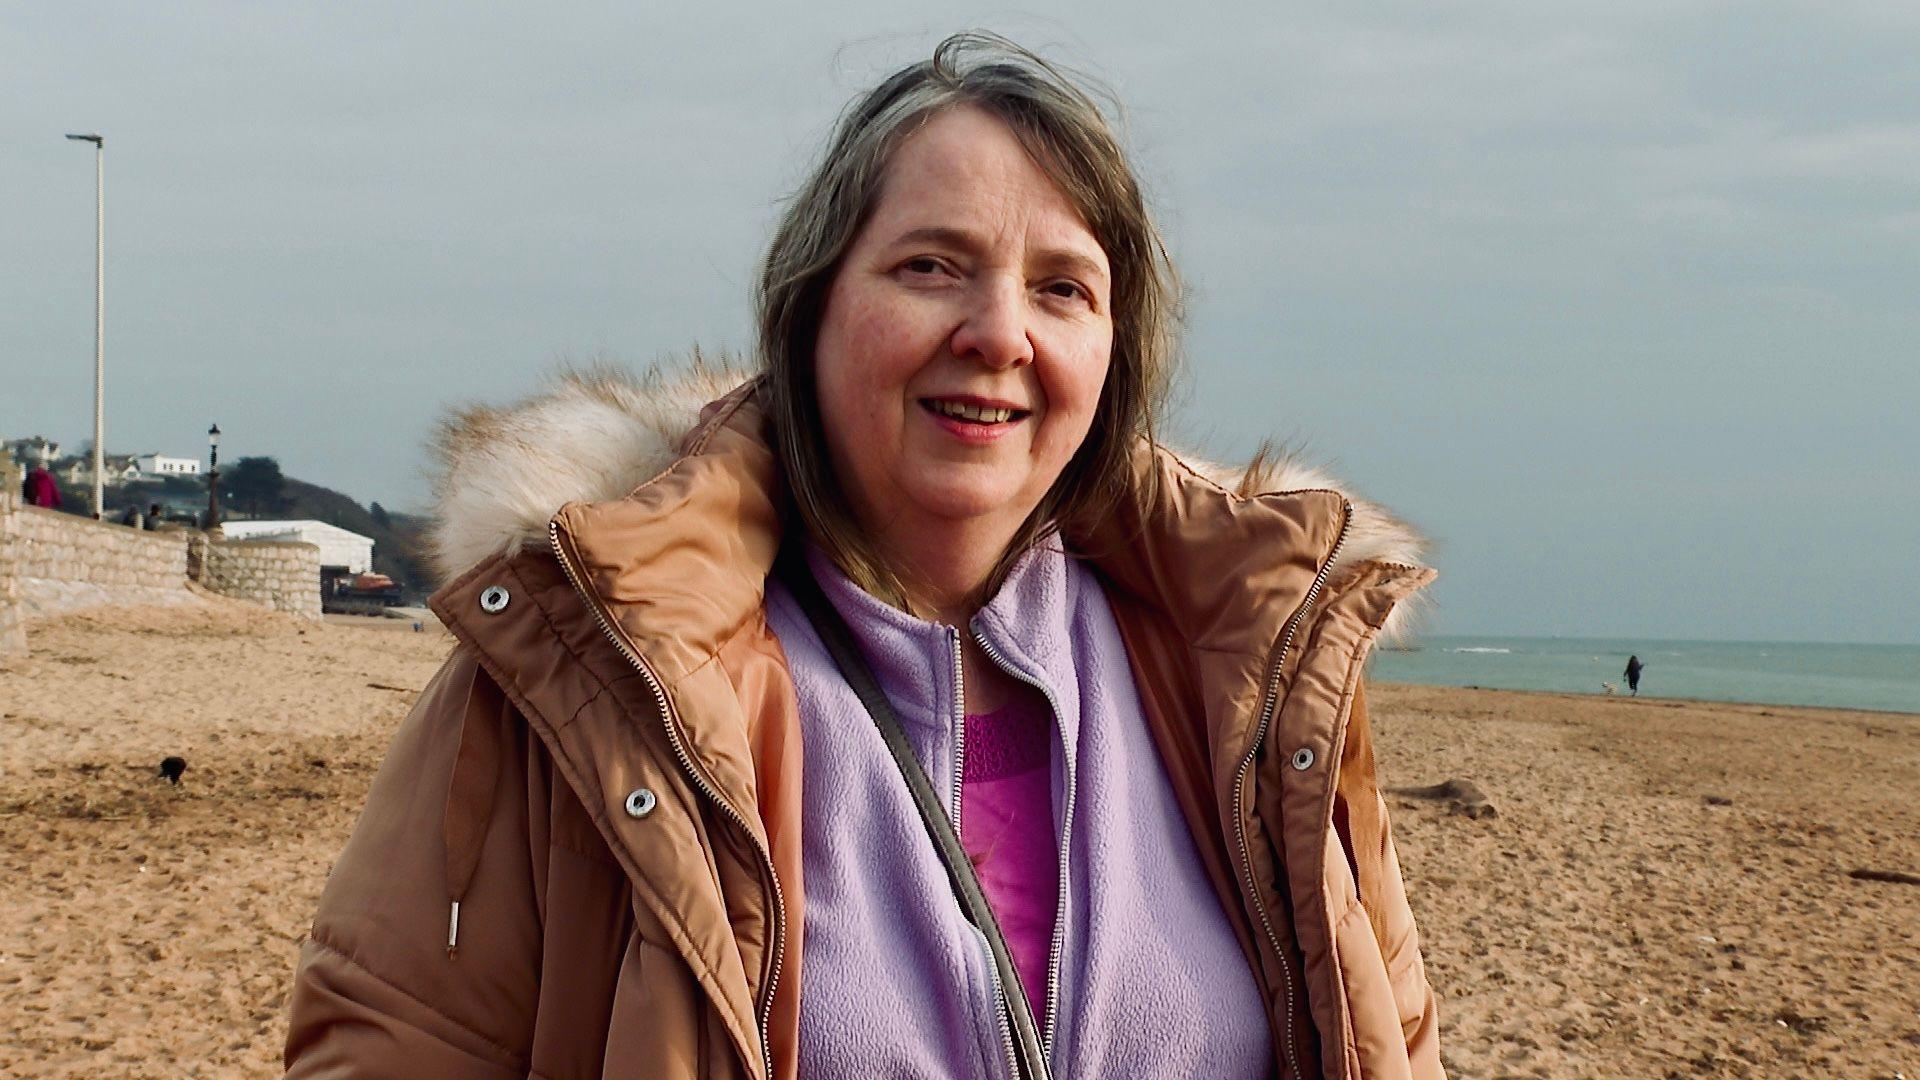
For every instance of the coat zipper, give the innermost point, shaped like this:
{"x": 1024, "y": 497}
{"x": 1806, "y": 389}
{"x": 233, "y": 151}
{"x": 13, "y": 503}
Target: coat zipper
{"x": 1002, "y": 1006}
{"x": 771, "y": 979}
{"x": 1058, "y": 943}
{"x": 1268, "y": 703}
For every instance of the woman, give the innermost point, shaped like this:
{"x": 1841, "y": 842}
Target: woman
{"x": 643, "y": 823}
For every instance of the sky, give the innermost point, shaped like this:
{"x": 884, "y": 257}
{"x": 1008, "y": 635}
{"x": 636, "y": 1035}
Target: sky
{"x": 1615, "y": 301}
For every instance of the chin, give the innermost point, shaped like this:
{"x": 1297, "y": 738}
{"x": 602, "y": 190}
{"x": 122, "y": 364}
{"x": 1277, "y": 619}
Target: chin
{"x": 965, "y": 502}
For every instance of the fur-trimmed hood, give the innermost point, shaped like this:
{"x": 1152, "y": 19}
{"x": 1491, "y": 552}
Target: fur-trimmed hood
{"x": 593, "y": 436}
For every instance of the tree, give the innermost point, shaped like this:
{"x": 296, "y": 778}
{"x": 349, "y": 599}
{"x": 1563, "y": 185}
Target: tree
{"x": 254, "y": 485}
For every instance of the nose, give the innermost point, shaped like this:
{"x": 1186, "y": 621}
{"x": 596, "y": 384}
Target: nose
{"x": 994, "y": 330}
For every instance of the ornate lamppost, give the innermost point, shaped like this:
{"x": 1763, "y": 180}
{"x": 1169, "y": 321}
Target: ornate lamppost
{"x": 213, "y": 477}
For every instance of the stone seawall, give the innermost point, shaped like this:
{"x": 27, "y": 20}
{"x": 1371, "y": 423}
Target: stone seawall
{"x": 63, "y": 547}
{"x": 13, "y": 618}
{"x": 280, "y": 574}
{"x": 52, "y": 562}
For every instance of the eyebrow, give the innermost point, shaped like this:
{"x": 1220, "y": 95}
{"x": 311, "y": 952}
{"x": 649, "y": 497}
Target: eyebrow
{"x": 962, "y": 240}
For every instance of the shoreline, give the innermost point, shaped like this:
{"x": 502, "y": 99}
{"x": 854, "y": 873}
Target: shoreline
{"x": 1667, "y": 702}
{"x": 1864, "y": 677}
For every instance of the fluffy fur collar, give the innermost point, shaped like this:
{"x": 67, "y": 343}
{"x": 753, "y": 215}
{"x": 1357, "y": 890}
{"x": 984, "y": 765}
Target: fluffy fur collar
{"x": 594, "y": 436}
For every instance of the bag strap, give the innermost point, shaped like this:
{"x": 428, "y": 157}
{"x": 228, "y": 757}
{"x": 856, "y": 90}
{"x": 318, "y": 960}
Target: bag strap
{"x": 1030, "y": 1053}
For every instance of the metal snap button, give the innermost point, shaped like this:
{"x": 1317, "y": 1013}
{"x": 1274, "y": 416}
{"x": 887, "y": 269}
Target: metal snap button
{"x": 1303, "y": 758}
{"x": 640, "y": 802}
{"x": 494, "y": 600}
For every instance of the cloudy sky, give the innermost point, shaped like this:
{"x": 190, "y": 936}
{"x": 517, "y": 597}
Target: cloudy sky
{"x": 1615, "y": 300}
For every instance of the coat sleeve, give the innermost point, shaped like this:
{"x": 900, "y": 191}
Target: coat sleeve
{"x": 1362, "y": 815}
{"x": 377, "y": 992}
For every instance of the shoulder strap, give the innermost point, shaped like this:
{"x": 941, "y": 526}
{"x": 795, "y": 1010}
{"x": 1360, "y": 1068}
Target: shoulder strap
{"x": 833, "y": 631}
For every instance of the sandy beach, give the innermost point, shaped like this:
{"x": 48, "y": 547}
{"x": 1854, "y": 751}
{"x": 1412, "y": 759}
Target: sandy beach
{"x": 1664, "y": 890}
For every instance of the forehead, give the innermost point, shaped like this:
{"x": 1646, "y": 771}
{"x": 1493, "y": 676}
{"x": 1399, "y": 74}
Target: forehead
{"x": 966, "y": 168}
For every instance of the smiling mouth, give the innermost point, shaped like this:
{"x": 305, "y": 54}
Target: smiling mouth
{"x": 970, "y": 413}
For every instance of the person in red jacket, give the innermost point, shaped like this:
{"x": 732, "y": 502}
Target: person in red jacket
{"x": 40, "y": 489}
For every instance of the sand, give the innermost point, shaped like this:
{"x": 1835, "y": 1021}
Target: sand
{"x": 1609, "y": 921}
{"x": 1613, "y": 921}
{"x": 147, "y": 930}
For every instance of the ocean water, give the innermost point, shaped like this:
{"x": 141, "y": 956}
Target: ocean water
{"x": 1776, "y": 673}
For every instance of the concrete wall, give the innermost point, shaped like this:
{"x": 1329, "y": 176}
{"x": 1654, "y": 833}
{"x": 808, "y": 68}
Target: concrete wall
{"x": 283, "y": 575}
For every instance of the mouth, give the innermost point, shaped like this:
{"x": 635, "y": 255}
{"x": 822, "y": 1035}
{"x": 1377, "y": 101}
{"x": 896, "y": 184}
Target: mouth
{"x": 974, "y": 411}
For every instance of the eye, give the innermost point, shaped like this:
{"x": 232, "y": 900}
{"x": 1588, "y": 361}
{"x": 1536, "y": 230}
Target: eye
{"x": 923, "y": 265}
{"x": 1067, "y": 290}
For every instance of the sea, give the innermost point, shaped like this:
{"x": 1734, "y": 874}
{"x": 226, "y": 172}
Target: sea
{"x": 1881, "y": 677}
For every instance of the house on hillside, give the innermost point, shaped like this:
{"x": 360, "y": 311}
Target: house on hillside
{"x": 341, "y": 551}
{"x": 116, "y": 470}
{"x": 34, "y": 450}
{"x": 162, "y": 465}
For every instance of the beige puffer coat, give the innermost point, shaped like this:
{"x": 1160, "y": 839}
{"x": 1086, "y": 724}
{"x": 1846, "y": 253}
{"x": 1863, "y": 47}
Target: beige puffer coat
{"x": 581, "y": 857}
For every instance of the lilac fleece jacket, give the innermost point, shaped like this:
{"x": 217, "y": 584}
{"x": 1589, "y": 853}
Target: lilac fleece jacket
{"x": 894, "y": 981}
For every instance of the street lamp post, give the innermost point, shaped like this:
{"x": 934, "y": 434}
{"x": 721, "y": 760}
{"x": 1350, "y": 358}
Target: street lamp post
{"x": 213, "y": 477}
{"x": 99, "y": 314}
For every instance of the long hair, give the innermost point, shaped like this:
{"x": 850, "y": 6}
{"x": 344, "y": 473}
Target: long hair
{"x": 1057, "y": 120}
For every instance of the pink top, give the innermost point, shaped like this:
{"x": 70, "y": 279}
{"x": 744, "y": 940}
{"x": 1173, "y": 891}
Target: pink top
{"x": 1007, "y": 828}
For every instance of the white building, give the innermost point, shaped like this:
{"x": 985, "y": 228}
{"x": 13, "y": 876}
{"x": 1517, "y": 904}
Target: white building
{"x": 162, "y": 465}
{"x": 338, "y": 547}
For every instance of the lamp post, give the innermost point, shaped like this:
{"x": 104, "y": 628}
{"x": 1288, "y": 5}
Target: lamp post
{"x": 213, "y": 477}
{"x": 99, "y": 313}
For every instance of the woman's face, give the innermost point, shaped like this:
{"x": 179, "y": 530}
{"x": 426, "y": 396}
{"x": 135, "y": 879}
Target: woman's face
{"x": 965, "y": 339}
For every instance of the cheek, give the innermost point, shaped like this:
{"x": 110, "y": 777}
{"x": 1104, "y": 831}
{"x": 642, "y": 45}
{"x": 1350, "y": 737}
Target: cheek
{"x": 1073, "y": 391}
{"x": 863, "y": 359}
{"x": 838, "y": 365}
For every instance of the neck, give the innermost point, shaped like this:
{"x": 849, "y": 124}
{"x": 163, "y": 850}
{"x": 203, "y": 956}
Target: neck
{"x": 943, "y": 566}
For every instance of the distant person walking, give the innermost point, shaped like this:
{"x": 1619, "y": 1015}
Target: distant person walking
{"x": 154, "y": 517}
{"x": 130, "y": 517}
{"x": 40, "y": 489}
{"x": 1634, "y": 667}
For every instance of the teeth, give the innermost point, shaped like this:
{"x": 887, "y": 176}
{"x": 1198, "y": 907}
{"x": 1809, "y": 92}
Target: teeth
{"x": 976, "y": 413}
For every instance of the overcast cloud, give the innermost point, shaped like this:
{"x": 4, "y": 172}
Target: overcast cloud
{"x": 1616, "y": 303}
